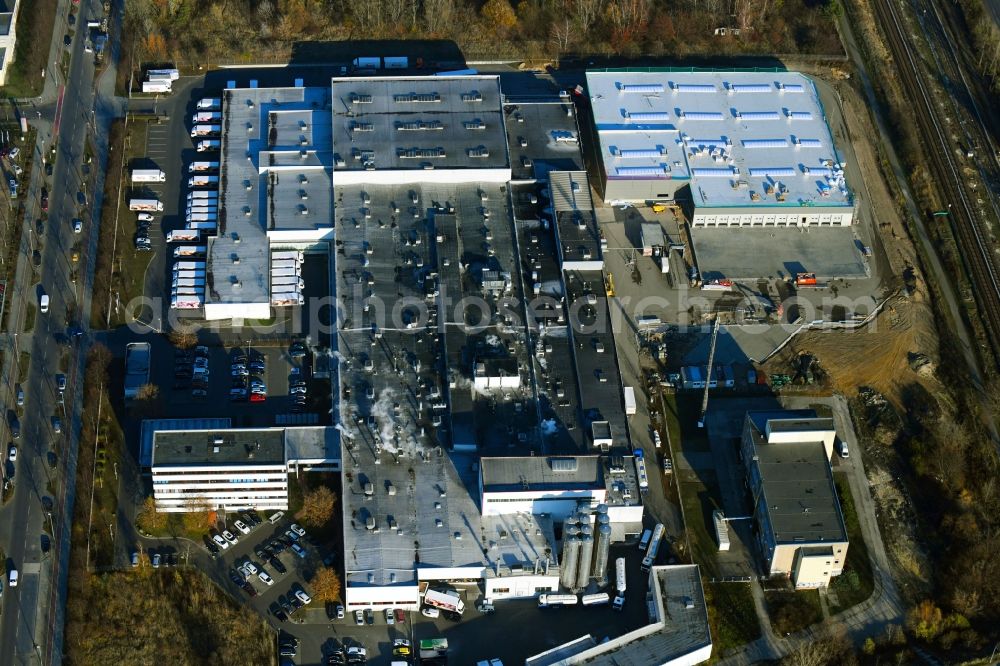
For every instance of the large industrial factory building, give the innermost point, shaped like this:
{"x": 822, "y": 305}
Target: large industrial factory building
{"x": 742, "y": 149}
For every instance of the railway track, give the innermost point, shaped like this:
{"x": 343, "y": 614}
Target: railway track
{"x": 974, "y": 244}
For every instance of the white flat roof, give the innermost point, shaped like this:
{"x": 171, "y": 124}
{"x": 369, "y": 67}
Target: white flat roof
{"x": 741, "y": 138}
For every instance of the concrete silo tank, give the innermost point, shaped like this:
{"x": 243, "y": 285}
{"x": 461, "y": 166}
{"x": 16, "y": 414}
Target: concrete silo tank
{"x": 570, "y": 560}
{"x": 586, "y": 559}
{"x": 602, "y": 545}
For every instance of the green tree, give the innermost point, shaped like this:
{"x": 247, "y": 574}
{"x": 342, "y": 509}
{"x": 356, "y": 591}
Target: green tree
{"x": 924, "y": 620}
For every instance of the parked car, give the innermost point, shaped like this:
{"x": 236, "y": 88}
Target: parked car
{"x": 229, "y": 536}
{"x": 77, "y": 225}
{"x": 369, "y": 616}
{"x": 298, "y": 530}
{"x": 265, "y": 578}
{"x": 220, "y": 542}
{"x": 430, "y": 611}
{"x": 241, "y": 526}
{"x": 156, "y": 560}
{"x": 277, "y": 565}
{"x": 249, "y": 567}
{"x": 359, "y": 618}
{"x": 135, "y": 558}
{"x": 389, "y": 617}
{"x": 298, "y": 550}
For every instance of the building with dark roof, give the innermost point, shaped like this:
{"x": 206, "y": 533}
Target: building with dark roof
{"x": 799, "y": 525}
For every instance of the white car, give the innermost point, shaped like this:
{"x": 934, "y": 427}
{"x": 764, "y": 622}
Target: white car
{"x": 298, "y": 530}
{"x": 12, "y": 580}
{"x": 250, "y": 568}
{"x": 389, "y": 617}
{"x": 77, "y": 225}
{"x": 242, "y": 527}
{"x": 220, "y": 542}
{"x": 359, "y": 618}
{"x": 229, "y": 536}
{"x": 43, "y": 303}
{"x": 145, "y": 217}
{"x": 430, "y": 611}
{"x": 844, "y": 451}
{"x": 12, "y": 453}
{"x": 303, "y": 597}
{"x": 264, "y": 578}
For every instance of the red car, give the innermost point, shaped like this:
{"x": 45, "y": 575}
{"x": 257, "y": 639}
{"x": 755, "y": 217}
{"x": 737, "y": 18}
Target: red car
{"x": 45, "y": 200}
{"x": 400, "y": 615}
{"x": 257, "y": 397}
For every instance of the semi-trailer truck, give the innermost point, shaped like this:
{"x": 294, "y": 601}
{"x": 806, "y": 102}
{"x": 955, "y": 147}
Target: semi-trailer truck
{"x": 148, "y": 176}
{"x": 620, "y": 584}
{"x": 151, "y": 205}
{"x": 288, "y": 298}
{"x": 183, "y": 236}
{"x": 171, "y": 74}
{"x": 156, "y": 86}
{"x": 190, "y": 251}
{"x": 204, "y": 225}
{"x": 555, "y": 600}
{"x": 209, "y": 104}
{"x": 203, "y": 194}
{"x": 654, "y": 548}
{"x": 187, "y": 302}
{"x": 208, "y": 145}
{"x": 205, "y": 117}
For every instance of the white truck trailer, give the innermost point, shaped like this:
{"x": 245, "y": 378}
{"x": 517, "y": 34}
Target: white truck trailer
{"x": 448, "y": 601}
{"x": 630, "y": 407}
{"x": 208, "y": 145}
{"x": 278, "y": 255}
{"x": 190, "y": 251}
{"x": 620, "y": 585}
{"x": 170, "y": 74}
{"x": 156, "y": 86}
{"x": 137, "y": 364}
{"x": 209, "y": 104}
{"x": 147, "y": 176}
{"x": 189, "y": 265}
{"x": 278, "y": 273}
{"x": 183, "y": 236}
{"x": 206, "y": 117}
{"x": 287, "y": 298}
{"x": 201, "y": 217}
{"x": 203, "y": 194}
{"x": 149, "y": 205}
{"x": 187, "y": 302}
{"x": 204, "y": 225}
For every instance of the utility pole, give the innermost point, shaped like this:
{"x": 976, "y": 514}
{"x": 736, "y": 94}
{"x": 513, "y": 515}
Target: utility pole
{"x": 708, "y": 372}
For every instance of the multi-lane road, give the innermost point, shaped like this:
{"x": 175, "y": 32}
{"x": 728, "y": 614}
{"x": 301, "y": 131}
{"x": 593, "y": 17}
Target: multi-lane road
{"x": 34, "y": 534}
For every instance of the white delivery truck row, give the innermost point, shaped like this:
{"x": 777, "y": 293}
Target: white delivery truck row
{"x": 208, "y": 145}
{"x": 148, "y": 176}
{"x": 206, "y": 130}
{"x": 209, "y": 104}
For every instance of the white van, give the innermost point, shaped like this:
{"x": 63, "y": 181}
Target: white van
{"x": 43, "y": 303}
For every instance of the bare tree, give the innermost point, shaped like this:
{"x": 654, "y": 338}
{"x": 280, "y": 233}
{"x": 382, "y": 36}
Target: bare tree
{"x": 561, "y": 33}
{"x": 439, "y": 15}
{"x": 586, "y": 12}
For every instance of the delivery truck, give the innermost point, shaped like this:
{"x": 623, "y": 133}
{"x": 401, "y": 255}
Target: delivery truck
{"x": 188, "y": 275}
{"x": 205, "y": 226}
{"x": 202, "y": 180}
{"x": 287, "y": 284}
{"x": 187, "y": 302}
{"x": 156, "y": 86}
{"x": 206, "y": 130}
{"x": 183, "y": 236}
{"x": 288, "y": 298}
{"x": 203, "y": 206}
{"x": 297, "y": 255}
{"x": 449, "y": 601}
{"x": 200, "y": 217}
{"x": 149, "y": 205}
{"x": 189, "y": 265}
{"x": 190, "y": 251}
{"x": 209, "y": 104}
{"x": 556, "y": 600}
{"x": 190, "y": 283}
{"x": 206, "y": 117}
{"x": 148, "y": 176}
{"x": 170, "y": 74}
{"x": 208, "y": 145}
{"x": 203, "y": 194}
{"x": 277, "y": 273}
{"x": 630, "y": 407}
{"x": 198, "y": 167}
{"x": 396, "y": 62}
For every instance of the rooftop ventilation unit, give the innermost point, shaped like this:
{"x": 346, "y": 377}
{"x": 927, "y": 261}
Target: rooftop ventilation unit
{"x": 702, "y": 115}
{"x": 646, "y": 116}
{"x": 704, "y": 88}
{"x": 473, "y": 96}
{"x": 360, "y": 99}
{"x": 772, "y": 172}
{"x": 479, "y": 151}
{"x": 791, "y": 88}
{"x": 642, "y": 88}
{"x": 808, "y": 143}
{"x": 758, "y": 115}
{"x": 422, "y": 98}
{"x": 713, "y": 172}
{"x": 476, "y": 124}
{"x": 421, "y": 153}
{"x": 363, "y": 155}
{"x": 362, "y": 127}
{"x": 417, "y": 126}
{"x": 721, "y": 142}
{"x": 635, "y": 153}
{"x": 635, "y": 171}
{"x": 750, "y": 88}
{"x": 817, "y": 171}
{"x": 765, "y": 143}
{"x": 800, "y": 115}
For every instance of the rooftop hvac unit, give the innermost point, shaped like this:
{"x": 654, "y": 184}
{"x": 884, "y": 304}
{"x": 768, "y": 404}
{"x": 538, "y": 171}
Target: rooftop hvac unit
{"x": 800, "y": 115}
{"x": 641, "y": 88}
{"x": 360, "y": 99}
{"x": 363, "y": 127}
{"x": 791, "y": 87}
{"x": 472, "y": 96}
{"x": 410, "y": 98}
{"x": 721, "y": 142}
{"x": 817, "y": 171}
{"x": 647, "y": 116}
{"x": 750, "y": 88}
{"x": 771, "y": 172}
{"x": 765, "y": 143}
{"x": 702, "y": 115}
{"x": 695, "y": 88}
{"x": 758, "y": 115}
{"x": 476, "y": 124}
{"x": 808, "y": 143}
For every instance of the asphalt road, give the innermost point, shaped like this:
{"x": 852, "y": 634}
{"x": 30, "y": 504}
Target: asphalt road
{"x": 27, "y": 624}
